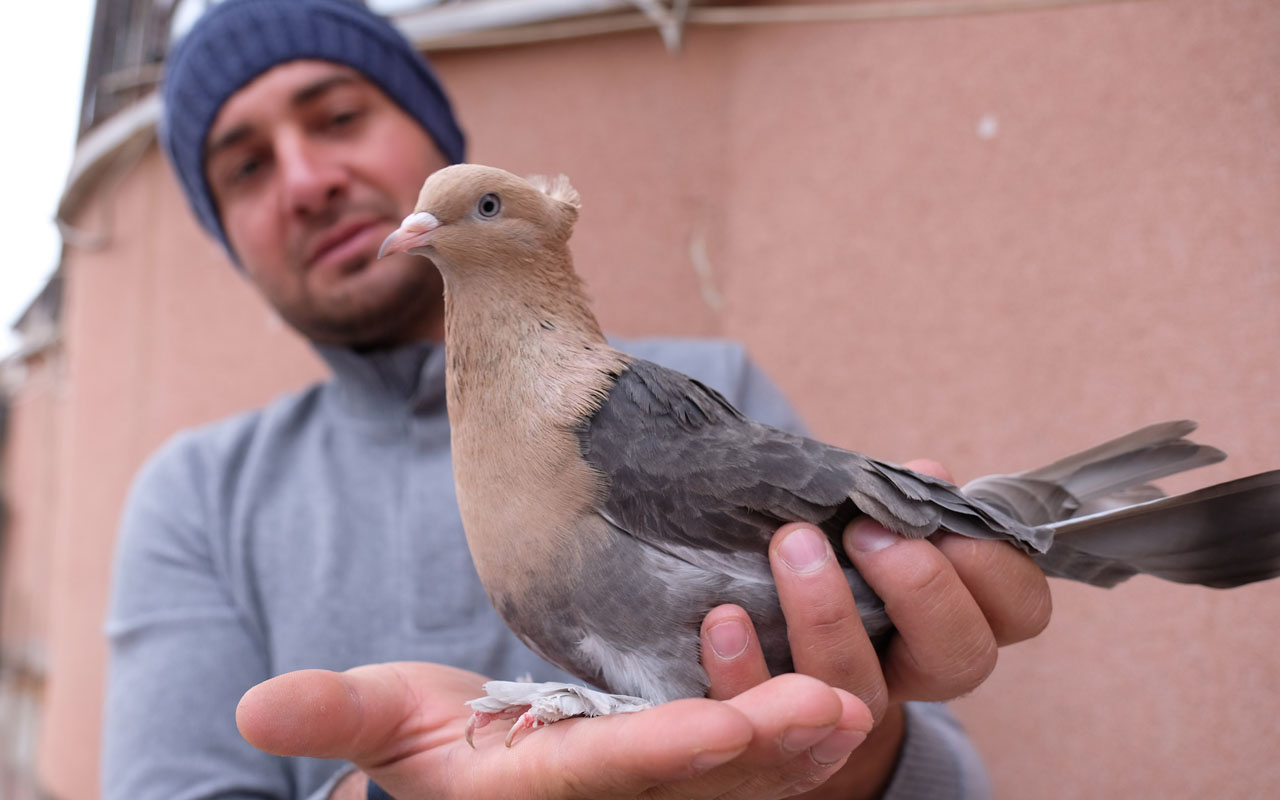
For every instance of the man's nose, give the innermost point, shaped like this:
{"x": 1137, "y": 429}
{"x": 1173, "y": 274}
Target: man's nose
{"x": 312, "y": 178}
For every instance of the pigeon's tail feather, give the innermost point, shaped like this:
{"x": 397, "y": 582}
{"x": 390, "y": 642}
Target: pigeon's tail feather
{"x": 1112, "y": 475}
{"x": 1109, "y": 523}
{"x": 1221, "y": 536}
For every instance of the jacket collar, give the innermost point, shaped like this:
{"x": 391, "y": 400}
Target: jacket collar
{"x": 375, "y": 383}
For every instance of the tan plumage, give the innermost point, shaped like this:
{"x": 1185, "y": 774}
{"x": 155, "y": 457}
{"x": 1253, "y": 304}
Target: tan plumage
{"x": 515, "y": 399}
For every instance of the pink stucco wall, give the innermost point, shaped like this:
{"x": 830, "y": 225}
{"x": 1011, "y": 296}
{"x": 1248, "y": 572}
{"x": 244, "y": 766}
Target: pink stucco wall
{"x": 31, "y": 477}
{"x": 986, "y": 240}
{"x": 29, "y": 482}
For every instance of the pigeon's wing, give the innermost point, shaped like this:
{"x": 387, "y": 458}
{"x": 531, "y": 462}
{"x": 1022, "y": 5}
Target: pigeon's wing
{"x": 684, "y": 468}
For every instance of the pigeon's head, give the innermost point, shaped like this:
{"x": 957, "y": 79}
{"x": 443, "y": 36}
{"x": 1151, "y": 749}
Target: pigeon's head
{"x": 471, "y": 216}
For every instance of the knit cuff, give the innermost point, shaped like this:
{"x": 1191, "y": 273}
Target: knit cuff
{"x": 938, "y": 761}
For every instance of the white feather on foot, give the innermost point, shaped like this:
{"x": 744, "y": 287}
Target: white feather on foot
{"x": 538, "y": 704}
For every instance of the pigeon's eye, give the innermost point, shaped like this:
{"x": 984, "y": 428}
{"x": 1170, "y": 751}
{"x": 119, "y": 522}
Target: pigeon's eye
{"x": 489, "y": 205}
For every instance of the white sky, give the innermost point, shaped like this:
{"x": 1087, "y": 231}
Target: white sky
{"x": 43, "y": 46}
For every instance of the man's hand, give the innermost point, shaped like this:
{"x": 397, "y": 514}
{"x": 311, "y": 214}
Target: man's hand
{"x": 402, "y": 724}
{"x": 953, "y": 601}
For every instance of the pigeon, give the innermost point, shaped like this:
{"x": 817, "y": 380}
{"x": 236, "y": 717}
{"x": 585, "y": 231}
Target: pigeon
{"x": 609, "y": 502}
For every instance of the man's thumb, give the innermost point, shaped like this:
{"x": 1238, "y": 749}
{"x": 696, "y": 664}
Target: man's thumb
{"x": 349, "y": 715}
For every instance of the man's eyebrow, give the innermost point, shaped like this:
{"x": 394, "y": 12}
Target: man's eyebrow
{"x": 228, "y": 140}
{"x": 302, "y": 97}
{"x": 317, "y": 88}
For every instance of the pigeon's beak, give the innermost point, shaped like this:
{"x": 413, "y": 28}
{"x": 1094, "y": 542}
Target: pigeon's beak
{"x": 413, "y": 233}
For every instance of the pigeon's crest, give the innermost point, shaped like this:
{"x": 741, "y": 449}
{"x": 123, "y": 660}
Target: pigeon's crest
{"x": 557, "y": 188}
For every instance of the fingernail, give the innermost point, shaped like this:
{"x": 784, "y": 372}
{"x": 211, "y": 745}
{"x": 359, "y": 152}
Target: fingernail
{"x": 706, "y": 761}
{"x": 868, "y": 536}
{"x": 728, "y": 639}
{"x": 796, "y": 740}
{"x": 836, "y": 746}
{"x": 804, "y": 550}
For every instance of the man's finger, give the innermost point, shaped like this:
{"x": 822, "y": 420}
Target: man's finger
{"x": 1007, "y": 585}
{"x": 356, "y": 715}
{"x": 944, "y": 646}
{"x": 823, "y": 626}
{"x": 930, "y": 467}
{"x": 625, "y": 755}
{"x": 808, "y": 757}
{"x": 803, "y": 730}
{"x": 731, "y": 652}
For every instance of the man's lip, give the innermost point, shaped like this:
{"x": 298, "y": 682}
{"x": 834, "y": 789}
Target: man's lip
{"x": 343, "y": 237}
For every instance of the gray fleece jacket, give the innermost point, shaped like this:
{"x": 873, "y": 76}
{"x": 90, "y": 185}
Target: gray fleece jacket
{"x": 322, "y": 531}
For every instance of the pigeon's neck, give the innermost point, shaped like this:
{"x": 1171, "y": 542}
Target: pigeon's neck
{"x": 524, "y": 344}
{"x": 527, "y": 366}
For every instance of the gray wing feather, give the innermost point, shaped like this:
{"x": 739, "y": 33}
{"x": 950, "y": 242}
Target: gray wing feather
{"x": 684, "y": 468}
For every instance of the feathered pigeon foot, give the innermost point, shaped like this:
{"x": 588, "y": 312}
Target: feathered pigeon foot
{"x": 533, "y": 705}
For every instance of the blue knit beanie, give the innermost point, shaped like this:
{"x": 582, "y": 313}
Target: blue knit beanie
{"x": 238, "y": 40}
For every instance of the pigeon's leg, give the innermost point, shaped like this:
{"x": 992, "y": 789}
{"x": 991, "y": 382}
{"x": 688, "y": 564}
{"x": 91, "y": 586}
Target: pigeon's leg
{"x": 533, "y": 705}
{"x": 481, "y": 718}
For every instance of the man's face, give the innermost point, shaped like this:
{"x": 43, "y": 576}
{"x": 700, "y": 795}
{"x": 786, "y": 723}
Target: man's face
{"x": 311, "y": 167}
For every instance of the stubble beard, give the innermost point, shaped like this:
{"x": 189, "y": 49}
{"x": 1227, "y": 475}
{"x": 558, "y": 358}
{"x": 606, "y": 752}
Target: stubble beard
{"x": 372, "y": 305}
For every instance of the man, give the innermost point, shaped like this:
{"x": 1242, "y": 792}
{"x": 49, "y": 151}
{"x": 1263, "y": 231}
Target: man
{"x": 321, "y": 532}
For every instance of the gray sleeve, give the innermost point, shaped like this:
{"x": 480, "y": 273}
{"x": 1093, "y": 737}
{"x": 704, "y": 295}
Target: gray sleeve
{"x": 181, "y": 653}
{"x": 938, "y": 762}
{"x": 757, "y": 397}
